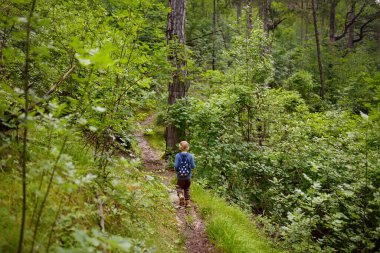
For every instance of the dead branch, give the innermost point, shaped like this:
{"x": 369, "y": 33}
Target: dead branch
{"x": 53, "y": 88}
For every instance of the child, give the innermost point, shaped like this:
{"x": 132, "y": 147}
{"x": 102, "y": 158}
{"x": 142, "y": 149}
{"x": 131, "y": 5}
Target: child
{"x": 184, "y": 164}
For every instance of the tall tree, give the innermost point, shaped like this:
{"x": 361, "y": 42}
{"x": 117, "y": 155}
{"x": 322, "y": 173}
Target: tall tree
{"x": 362, "y": 17}
{"x": 319, "y": 54}
{"x": 307, "y": 21}
{"x": 213, "y": 33}
{"x": 302, "y": 30}
{"x": 238, "y": 9}
{"x": 266, "y": 5}
{"x": 351, "y": 30}
{"x": 333, "y": 4}
{"x": 179, "y": 85}
{"x": 249, "y": 17}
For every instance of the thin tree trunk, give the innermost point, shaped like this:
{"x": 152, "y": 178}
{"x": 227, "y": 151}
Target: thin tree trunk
{"x": 249, "y": 17}
{"x": 302, "y": 34}
{"x": 54, "y": 224}
{"x": 39, "y": 214}
{"x": 322, "y": 81}
{"x": 238, "y": 10}
{"x": 378, "y": 37}
{"x": 332, "y": 21}
{"x": 102, "y": 219}
{"x": 213, "y": 33}
{"x": 351, "y": 30}
{"x": 322, "y": 19}
{"x": 260, "y": 8}
{"x": 307, "y": 23}
{"x": 266, "y": 16}
{"x": 179, "y": 85}
{"x": 26, "y": 77}
{"x": 101, "y": 212}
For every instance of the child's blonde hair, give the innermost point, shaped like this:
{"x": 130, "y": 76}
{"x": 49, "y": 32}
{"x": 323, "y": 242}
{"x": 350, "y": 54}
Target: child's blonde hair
{"x": 184, "y": 146}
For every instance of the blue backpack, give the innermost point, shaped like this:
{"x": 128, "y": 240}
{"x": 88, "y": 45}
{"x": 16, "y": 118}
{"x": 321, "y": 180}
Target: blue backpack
{"x": 184, "y": 166}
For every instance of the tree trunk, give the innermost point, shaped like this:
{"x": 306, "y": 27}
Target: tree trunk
{"x": 23, "y": 154}
{"x": 378, "y": 37}
{"x": 260, "y": 8}
{"x": 302, "y": 23}
{"x": 213, "y": 33}
{"x": 249, "y": 17}
{"x": 266, "y": 16}
{"x": 179, "y": 85}
{"x": 322, "y": 89}
{"x": 238, "y": 10}
{"x": 333, "y": 4}
{"x": 322, "y": 32}
{"x": 307, "y": 23}
{"x": 351, "y": 30}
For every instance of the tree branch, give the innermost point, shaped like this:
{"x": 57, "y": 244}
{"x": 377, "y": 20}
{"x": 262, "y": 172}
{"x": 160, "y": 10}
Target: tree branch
{"x": 53, "y": 88}
{"x": 362, "y": 28}
{"x": 5, "y": 127}
{"x": 348, "y": 25}
{"x": 275, "y": 24}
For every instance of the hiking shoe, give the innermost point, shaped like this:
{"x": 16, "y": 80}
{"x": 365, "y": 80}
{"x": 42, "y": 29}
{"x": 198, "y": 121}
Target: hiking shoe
{"x": 187, "y": 203}
{"x": 181, "y": 199}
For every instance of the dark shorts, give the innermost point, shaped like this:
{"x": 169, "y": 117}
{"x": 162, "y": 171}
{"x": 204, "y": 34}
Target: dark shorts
{"x": 184, "y": 185}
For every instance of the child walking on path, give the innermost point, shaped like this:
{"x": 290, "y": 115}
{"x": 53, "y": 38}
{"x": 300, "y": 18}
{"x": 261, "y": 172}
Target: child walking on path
{"x": 184, "y": 163}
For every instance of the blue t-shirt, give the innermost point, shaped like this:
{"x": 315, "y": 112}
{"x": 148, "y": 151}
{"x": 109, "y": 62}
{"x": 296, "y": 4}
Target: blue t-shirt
{"x": 178, "y": 160}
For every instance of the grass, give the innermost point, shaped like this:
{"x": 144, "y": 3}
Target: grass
{"x": 228, "y": 226}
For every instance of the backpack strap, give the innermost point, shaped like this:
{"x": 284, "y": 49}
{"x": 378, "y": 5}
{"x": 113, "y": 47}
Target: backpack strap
{"x": 186, "y": 156}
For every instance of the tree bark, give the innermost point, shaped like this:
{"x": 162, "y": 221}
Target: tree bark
{"x": 260, "y": 8}
{"x": 302, "y": 32}
{"x": 249, "y": 17}
{"x": 307, "y": 22}
{"x": 333, "y": 4}
{"x": 322, "y": 81}
{"x": 179, "y": 85}
{"x": 213, "y": 33}
{"x": 266, "y": 16}
{"x": 351, "y": 30}
{"x": 238, "y": 10}
{"x": 378, "y": 37}
{"x": 322, "y": 15}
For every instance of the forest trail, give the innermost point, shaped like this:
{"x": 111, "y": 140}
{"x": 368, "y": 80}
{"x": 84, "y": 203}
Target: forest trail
{"x": 192, "y": 226}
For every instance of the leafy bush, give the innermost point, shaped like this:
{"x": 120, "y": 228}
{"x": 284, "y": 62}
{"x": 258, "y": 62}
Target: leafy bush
{"x": 314, "y": 174}
{"x": 70, "y": 216}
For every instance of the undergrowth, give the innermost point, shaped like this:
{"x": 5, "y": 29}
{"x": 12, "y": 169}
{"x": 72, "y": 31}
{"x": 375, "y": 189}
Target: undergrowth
{"x": 138, "y": 216}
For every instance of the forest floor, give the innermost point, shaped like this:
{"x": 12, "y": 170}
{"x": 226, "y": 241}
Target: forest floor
{"x": 192, "y": 226}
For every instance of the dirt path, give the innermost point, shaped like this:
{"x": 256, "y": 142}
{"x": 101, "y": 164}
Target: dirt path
{"x": 192, "y": 226}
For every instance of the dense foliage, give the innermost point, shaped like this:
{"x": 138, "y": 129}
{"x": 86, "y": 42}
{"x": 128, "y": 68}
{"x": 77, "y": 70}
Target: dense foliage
{"x": 265, "y": 139}
{"x": 92, "y": 68}
{"x": 77, "y": 76}
{"x": 315, "y": 175}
